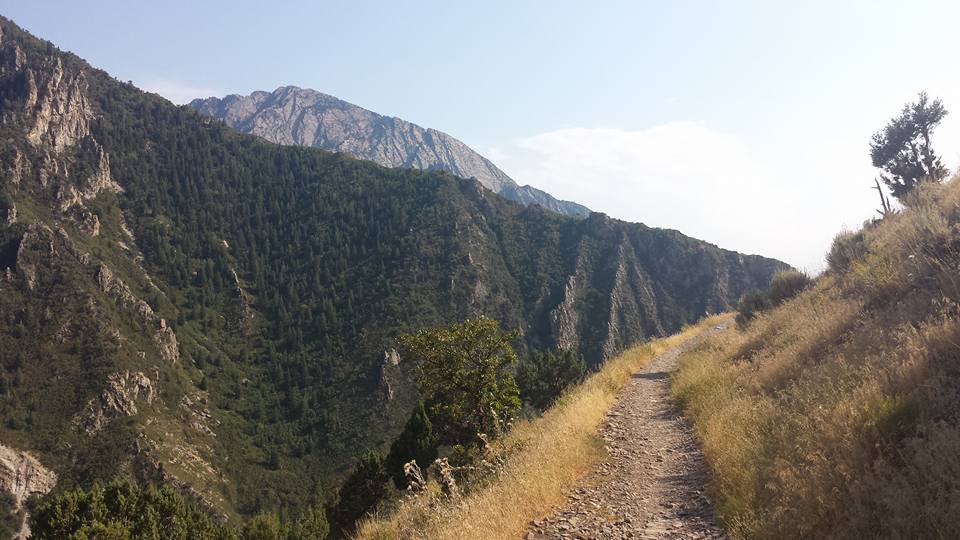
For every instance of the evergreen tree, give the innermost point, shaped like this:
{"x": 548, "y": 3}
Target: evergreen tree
{"x": 902, "y": 150}
{"x": 363, "y": 491}
{"x": 312, "y": 525}
{"x": 123, "y": 510}
{"x": 416, "y": 442}
{"x": 262, "y": 527}
{"x": 543, "y": 376}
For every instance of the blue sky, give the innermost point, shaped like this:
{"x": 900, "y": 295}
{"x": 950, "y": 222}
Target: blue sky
{"x": 743, "y": 123}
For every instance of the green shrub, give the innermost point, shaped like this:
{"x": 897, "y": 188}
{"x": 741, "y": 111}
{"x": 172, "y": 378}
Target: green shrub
{"x": 543, "y": 376}
{"x": 847, "y": 247}
{"x": 750, "y": 304}
{"x": 785, "y": 285}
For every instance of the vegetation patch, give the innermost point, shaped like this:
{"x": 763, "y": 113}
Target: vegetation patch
{"x": 835, "y": 414}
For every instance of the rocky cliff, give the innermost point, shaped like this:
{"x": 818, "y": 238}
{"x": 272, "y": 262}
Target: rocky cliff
{"x": 292, "y": 115}
{"x": 22, "y": 476}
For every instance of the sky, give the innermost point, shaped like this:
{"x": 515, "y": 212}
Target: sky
{"x": 742, "y": 123}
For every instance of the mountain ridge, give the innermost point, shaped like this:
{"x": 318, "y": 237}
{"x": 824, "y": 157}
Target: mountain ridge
{"x": 307, "y": 117}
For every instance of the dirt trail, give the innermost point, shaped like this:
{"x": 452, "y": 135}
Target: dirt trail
{"x": 655, "y": 483}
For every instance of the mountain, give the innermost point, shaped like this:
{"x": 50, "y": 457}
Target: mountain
{"x": 184, "y": 303}
{"x": 291, "y": 115}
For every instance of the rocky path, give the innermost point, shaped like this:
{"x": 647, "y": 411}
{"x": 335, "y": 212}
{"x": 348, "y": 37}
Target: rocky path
{"x": 655, "y": 483}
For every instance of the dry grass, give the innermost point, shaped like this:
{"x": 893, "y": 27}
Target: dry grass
{"x": 544, "y": 457}
{"x": 837, "y": 415}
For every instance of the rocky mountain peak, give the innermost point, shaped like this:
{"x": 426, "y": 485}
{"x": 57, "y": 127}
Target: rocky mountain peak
{"x": 305, "y": 117}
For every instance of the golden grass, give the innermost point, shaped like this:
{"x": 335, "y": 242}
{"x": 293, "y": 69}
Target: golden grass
{"x": 546, "y": 457}
{"x": 837, "y": 415}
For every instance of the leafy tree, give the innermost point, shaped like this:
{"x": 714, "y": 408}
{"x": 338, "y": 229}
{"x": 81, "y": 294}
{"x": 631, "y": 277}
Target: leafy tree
{"x": 464, "y": 373}
{"x": 902, "y": 150}
{"x": 363, "y": 490}
{"x": 543, "y": 376}
{"x": 416, "y": 442}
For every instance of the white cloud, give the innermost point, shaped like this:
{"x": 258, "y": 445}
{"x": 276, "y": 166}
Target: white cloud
{"x": 705, "y": 183}
{"x": 176, "y": 91}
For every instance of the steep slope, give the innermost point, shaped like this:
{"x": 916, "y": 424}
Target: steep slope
{"x": 291, "y": 115}
{"x": 186, "y": 303}
{"x": 836, "y": 415}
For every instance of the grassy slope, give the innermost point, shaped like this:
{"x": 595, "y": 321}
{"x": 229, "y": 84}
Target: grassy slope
{"x": 836, "y": 415}
{"x": 544, "y": 457}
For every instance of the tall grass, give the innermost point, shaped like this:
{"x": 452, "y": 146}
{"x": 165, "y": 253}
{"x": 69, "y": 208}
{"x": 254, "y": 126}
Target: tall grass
{"x": 544, "y": 457}
{"x": 837, "y": 415}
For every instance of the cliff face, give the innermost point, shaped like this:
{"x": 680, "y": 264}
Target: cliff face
{"x": 304, "y": 117}
{"x": 22, "y": 476}
{"x": 180, "y": 302}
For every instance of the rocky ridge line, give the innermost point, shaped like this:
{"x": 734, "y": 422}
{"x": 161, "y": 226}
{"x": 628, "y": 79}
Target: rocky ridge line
{"x": 304, "y": 117}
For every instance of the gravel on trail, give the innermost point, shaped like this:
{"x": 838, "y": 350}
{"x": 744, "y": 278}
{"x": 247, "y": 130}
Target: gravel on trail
{"x": 655, "y": 483}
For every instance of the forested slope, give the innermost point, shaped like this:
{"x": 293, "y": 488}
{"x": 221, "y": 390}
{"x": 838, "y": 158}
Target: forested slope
{"x": 184, "y": 303}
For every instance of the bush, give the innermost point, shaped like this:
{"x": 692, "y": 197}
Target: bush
{"x": 785, "y": 285}
{"x": 750, "y": 304}
{"x": 543, "y": 376}
{"x": 847, "y": 247}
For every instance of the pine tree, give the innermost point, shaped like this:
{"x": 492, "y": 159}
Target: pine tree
{"x": 416, "y": 442}
{"x": 363, "y": 490}
{"x": 902, "y": 150}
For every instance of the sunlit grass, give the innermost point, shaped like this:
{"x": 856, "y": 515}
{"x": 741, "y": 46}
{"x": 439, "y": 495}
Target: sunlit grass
{"x": 836, "y": 415}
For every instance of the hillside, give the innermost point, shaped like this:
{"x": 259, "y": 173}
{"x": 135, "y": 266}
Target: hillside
{"x": 305, "y": 117}
{"x": 184, "y": 303}
{"x": 836, "y": 414}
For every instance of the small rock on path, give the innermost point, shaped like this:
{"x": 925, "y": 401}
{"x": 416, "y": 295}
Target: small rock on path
{"x": 654, "y": 486}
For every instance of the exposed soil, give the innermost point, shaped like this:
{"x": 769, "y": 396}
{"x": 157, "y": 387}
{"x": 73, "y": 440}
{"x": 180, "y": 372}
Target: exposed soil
{"x": 655, "y": 483}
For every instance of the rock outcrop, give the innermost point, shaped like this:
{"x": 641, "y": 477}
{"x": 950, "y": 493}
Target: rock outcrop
{"x": 161, "y": 333}
{"x": 240, "y": 315}
{"x": 119, "y": 398}
{"x": 22, "y": 475}
{"x": 304, "y": 117}
{"x": 36, "y": 246}
{"x": 59, "y": 107}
